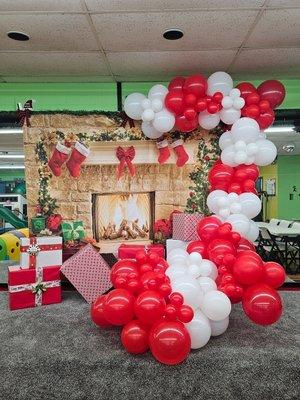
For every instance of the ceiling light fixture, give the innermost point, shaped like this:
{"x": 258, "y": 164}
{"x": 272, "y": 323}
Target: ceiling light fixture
{"x": 10, "y": 156}
{"x": 12, "y": 166}
{"x": 275, "y": 129}
{"x": 289, "y": 148}
{"x": 173, "y": 34}
{"x": 19, "y": 36}
{"x": 10, "y": 131}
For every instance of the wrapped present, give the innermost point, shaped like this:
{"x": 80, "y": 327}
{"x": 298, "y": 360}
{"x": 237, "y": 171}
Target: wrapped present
{"x": 33, "y": 287}
{"x": 88, "y": 272}
{"x": 38, "y": 224}
{"x": 42, "y": 251}
{"x": 72, "y": 230}
{"x": 130, "y": 250}
{"x": 184, "y": 226}
{"x": 172, "y": 244}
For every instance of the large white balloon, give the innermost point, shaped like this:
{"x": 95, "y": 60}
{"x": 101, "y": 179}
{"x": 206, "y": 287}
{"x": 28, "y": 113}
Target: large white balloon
{"x": 266, "y": 154}
{"x": 225, "y": 140}
{"x": 219, "y": 82}
{"x": 199, "y": 330}
{"x": 216, "y": 305}
{"x": 150, "y": 131}
{"x": 212, "y": 200}
{"x": 175, "y": 271}
{"x": 219, "y": 327}
{"x": 240, "y": 223}
{"x": 190, "y": 290}
{"x": 250, "y": 203}
{"x": 207, "y": 120}
{"x": 195, "y": 258}
{"x": 157, "y": 92}
{"x": 133, "y": 105}
{"x": 230, "y": 115}
{"x": 207, "y": 284}
{"x": 164, "y": 121}
{"x": 246, "y": 129}
{"x": 228, "y": 156}
{"x": 253, "y": 232}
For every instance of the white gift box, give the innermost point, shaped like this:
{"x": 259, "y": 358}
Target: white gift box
{"x": 172, "y": 244}
{"x": 43, "y": 251}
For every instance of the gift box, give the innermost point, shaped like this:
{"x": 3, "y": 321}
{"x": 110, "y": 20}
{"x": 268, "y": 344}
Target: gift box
{"x": 172, "y": 244}
{"x": 33, "y": 287}
{"x": 72, "y": 230}
{"x": 184, "y": 226}
{"x": 88, "y": 272}
{"x": 43, "y": 251}
{"x": 38, "y": 224}
{"x": 130, "y": 250}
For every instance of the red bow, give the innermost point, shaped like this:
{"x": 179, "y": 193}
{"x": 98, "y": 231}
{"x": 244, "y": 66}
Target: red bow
{"x": 126, "y": 119}
{"x": 23, "y": 116}
{"x": 125, "y": 156}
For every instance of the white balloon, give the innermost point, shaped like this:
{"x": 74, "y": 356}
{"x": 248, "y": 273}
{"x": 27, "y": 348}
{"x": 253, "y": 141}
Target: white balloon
{"x": 216, "y": 305}
{"x": 252, "y": 149}
{"x": 219, "y": 327}
{"x": 149, "y": 131}
{"x": 199, "y": 330}
{"x": 230, "y": 116}
{"x": 246, "y": 129}
{"x": 227, "y": 102}
{"x": 240, "y": 157}
{"x": 219, "y": 82}
{"x": 223, "y": 201}
{"x": 225, "y": 140}
{"x": 233, "y": 197}
{"x": 240, "y": 145}
{"x": 133, "y": 105}
{"x": 194, "y": 270}
{"x": 213, "y": 198}
{"x": 156, "y": 105}
{"x": 164, "y": 121}
{"x": 146, "y": 103}
{"x": 250, "y": 204}
{"x": 207, "y": 284}
{"x": 227, "y": 156}
{"x": 207, "y": 120}
{"x": 195, "y": 258}
{"x": 253, "y": 232}
{"x": 206, "y": 267}
{"x": 235, "y": 93}
{"x": 235, "y": 208}
{"x": 175, "y": 272}
{"x": 238, "y": 103}
{"x": 240, "y": 223}
{"x": 224, "y": 212}
{"x": 190, "y": 290}
{"x": 214, "y": 273}
{"x": 178, "y": 260}
{"x": 148, "y": 115}
{"x": 176, "y": 252}
{"x": 266, "y": 154}
{"x": 158, "y": 92}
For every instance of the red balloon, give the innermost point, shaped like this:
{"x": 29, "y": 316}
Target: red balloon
{"x": 135, "y": 337}
{"x": 185, "y": 314}
{"x": 212, "y": 107}
{"x": 264, "y": 105}
{"x": 170, "y": 342}
{"x": 197, "y": 246}
{"x": 141, "y": 257}
{"x": 248, "y": 268}
{"x": 273, "y": 91}
{"x": 201, "y": 105}
{"x": 174, "y": 102}
{"x": 252, "y": 98}
{"x": 123, "y": 268}
{"x": 251, "y": 111}
{"x": 266, "y": 119}
{"x": 190, "y": 114}
{"x": 185, "y": 125}
{"x": 245, "y": 244}
{"x": 162, "y": 265}
{"x": 249, "y": 186}
{"x": 190, "y": 99}
{"x": 176, "y": 83}
{"x": 176, "y": 299}
{"x": 149, "y": 307}
{"x": 243, "y": 172}
{"x": 207, "y": 228}
{"x": 262, "y": 304}
{"x": 274, "y": 274}
{"x": 220, "y": 176}
{"x": 218, "y": 248}
{"x": 235, "y": 187}
{"x": 97, "y": 312}
{"x": 233, "y": 291}
{"x": 218, "y": 97}
{"x": 245, "y": 88}
{"x": 195, "y": 84}
{"x": 119, "y": 307}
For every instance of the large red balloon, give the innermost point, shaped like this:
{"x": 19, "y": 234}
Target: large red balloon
{"x": 170, "y": 342}
{"x": 149, "y": 307}
{"x": 119, "y": 307}
{"x": 176, "y": 83}
{"x": 248, "y": 268}
{"x": 262, "y": 304}
{"x": 243, "y": 172}
{"x": 184, "y": 124}
{"x": 245, "y": 244}
{"x": 197, "y": 246}
{"x": 135, "y": 337}
{"x": 274, "y": 274}
{"x": 207, "y": 228}
{"x": 245, "y": 88}
{"x": 123, "y": 268}
{"x": 174, "y": 102}
{"x": 196, "y": 85}
{"x": 220, "y": 176}
{"x": 97, "y": 312}
{"x": 273, "y": 91}
{"x": 266, "y": 119}
{"x": 218, "y": 248}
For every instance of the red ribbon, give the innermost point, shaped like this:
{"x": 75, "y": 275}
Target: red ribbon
{"x": 126, "y": 119}
{"x": 125, "y": 156}
{"x": 23, "y": 116}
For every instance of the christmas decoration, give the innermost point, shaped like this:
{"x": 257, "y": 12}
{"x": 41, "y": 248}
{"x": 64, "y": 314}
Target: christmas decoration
{"x": 24, "y": 111}
{"x": 78, "y": 155}
{"x": 59, "y": 156}
{"x": 127, "y": 251}
{"x": 164, "y": 152}
{"x": 43, "y": 251}
{"x": 125, "y": 156}
{"x": 184, "y": 226}
{"x": 182, "y": 156}
{"x": 72, "y": 230}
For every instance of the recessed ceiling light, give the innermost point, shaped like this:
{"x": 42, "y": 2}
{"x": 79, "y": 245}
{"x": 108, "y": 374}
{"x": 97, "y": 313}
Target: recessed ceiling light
{"x": 20, "y": 36}
{"x": 173, "y": 34}
{"x": 289, "y": 148}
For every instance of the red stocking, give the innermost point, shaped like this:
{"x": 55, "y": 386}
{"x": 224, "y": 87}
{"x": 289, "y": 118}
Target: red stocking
{"x": 182, "y": 156}
{"x": 79, "y": 154}
{"x": 59, "y": 156}
{"x": 164, "y": 152}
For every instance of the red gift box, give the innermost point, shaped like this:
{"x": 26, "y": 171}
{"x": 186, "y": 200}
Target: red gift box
{"x": 33, "y": 287}
{"x": 130, "y": 250}
{"x": 184, "y": 226}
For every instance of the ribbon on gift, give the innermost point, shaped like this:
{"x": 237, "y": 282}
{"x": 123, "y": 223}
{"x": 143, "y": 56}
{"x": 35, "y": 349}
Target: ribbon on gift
{"x": 34, "y": 249}
{"x": 126, "y": 119}
{"x": 72, "y": 230}
{"x": 24, "y": 112}
{"x": 125, "y": 156}
{"x": 37, "y": 288}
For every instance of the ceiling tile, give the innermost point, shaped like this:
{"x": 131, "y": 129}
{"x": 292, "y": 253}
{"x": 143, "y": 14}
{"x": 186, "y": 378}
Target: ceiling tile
{"x": 276, "y": 28}
{"x": 38, "y": 64}
{"x": 163, "y": 65}
{"x": 203, "y": 30}
{"x": 145, "y": 5}
{"x": 283, "y": 3}
{"x": 48, "y": 32}
{"x": 38, "y": 5}
{"x": 271, "y": 62}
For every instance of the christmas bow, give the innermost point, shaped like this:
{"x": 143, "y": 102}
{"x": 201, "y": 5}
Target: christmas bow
{"x": 125, "y": 156}
{"x": 126, "y": 119}
{"x": 24, "y": 113}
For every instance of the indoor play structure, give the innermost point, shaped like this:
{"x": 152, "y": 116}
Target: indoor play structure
{"x": 10, "y": 244}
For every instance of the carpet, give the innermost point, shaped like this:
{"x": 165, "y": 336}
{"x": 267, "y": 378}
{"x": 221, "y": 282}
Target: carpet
{"x": 55, "y": 352}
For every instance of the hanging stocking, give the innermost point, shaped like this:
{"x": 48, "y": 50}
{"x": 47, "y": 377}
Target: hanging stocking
{"x": 164, "y": 152}
{"x": 79, "y": 154}
{"x": 182, "y": 156}
{"x": 59, "y": 156}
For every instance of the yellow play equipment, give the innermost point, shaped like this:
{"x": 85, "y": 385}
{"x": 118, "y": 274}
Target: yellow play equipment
{"x": 10, "y": 244}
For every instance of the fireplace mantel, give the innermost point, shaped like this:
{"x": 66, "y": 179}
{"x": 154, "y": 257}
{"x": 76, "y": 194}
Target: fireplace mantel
{"x": 104, "y": 153}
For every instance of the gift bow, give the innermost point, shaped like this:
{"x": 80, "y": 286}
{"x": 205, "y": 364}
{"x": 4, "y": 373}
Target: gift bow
{"x": 125, "y": 156}
{"x": 24, "y": 112}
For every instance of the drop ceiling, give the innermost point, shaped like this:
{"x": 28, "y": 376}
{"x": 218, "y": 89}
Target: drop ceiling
{"x": 121, "y": 40}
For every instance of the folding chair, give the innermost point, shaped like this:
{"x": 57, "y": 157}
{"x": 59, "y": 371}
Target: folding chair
{"x": 285, "y": 224}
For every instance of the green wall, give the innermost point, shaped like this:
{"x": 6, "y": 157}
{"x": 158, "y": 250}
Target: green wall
{"x": 11, "y": 174}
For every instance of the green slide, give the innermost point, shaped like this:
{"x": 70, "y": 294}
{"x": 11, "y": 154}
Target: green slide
{"x": 11, "y": 218}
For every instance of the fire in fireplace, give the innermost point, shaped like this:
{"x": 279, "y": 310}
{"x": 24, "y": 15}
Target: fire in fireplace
{"x": 123, "y": 216}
